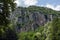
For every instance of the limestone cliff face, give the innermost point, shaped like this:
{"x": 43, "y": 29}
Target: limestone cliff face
{"x": 26, "y": 20}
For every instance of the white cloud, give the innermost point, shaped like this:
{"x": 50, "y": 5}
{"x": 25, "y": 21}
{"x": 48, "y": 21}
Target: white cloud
{"x": 20, "y": 3}
{"x": 30, "y": 2}
{"x": 57, "y": 7}
{"x": 49, "y": 6}
{"x": 26, "y": 2}
{"x": 17, "y": 1}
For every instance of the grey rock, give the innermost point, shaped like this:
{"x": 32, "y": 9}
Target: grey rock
{"x": 29, "y": 20}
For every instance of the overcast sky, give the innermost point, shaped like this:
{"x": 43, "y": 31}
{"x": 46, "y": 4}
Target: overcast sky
{"x": 53, "y": 4}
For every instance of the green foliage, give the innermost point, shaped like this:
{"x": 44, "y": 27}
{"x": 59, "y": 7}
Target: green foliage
{"x": 40, "y": 29}
{"x": 51, "y": 29}
{"x": 44, "y": 10}
{"x": 26, "y": 35}
{"x": 36, "y": 35}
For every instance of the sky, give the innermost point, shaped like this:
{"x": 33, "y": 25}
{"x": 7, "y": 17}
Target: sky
{"x": 53, "y": 4}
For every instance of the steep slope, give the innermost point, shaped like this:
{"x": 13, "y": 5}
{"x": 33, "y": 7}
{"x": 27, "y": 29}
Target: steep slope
{"x": 27, "y": 19}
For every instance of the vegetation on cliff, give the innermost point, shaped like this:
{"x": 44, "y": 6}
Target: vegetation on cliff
{"x": 49, "y": 31}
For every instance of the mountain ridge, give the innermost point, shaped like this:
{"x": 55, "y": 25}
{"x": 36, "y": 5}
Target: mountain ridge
{"x": 26, "y": 19}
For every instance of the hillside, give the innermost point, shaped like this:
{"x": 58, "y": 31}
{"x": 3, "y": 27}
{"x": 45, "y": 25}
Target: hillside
{"x": 30, "y": 18}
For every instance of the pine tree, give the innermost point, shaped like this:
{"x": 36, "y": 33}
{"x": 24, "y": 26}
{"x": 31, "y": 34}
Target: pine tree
{"x": 6, "y": 33}
{"x": 7, "y": 7}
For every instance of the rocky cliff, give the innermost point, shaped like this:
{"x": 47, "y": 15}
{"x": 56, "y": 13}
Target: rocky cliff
{"x": 27, "y": 19}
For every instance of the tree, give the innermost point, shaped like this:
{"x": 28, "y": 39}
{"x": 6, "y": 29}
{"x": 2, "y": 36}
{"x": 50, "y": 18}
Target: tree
{"x": 7, "y": 7}
{"x": 53, "y": 31}
{"x": 6, "y": 33}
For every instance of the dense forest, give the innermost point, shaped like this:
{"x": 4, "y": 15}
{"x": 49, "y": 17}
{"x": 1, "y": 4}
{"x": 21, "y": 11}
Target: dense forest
{"x": 28, "y": 23}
